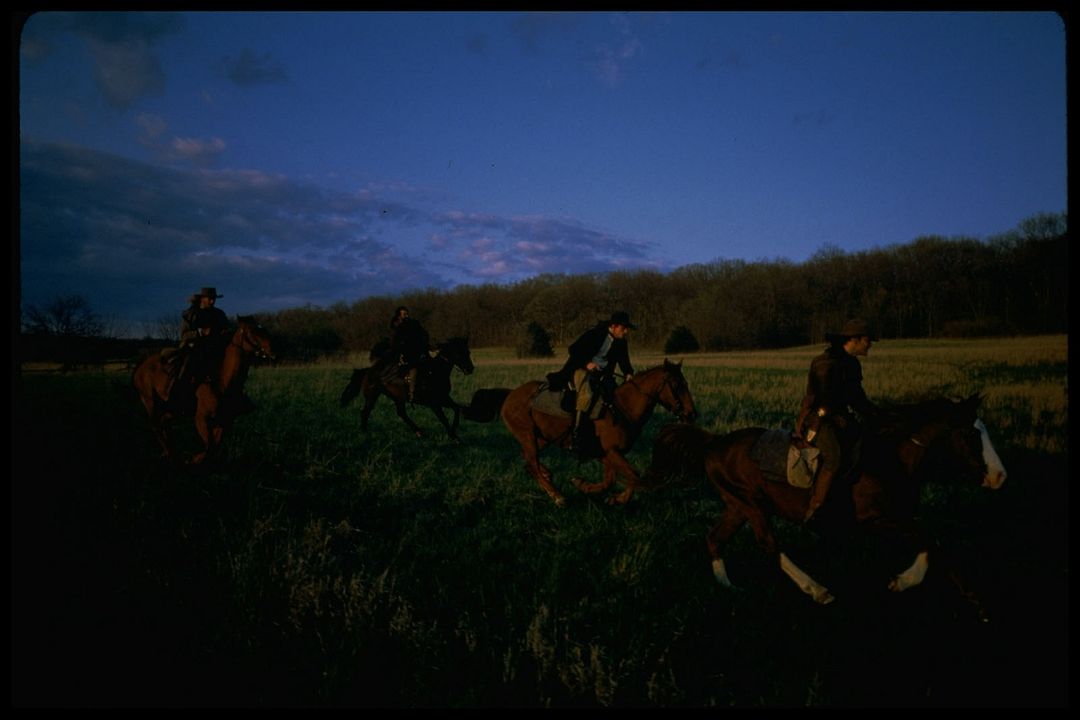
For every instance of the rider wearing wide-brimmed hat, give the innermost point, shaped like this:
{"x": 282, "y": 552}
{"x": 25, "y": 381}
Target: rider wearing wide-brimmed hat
{"x": 835, "y": 404}
{"x": 592, "y": 362}
{"x": 201, "y": 327}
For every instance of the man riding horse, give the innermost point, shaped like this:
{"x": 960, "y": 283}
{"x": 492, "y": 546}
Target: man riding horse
{"x": 203, "y": 327}
{"x": 834, "y": 403}
{"x": 591, "y": 366}
{"x": 409, "y": 346}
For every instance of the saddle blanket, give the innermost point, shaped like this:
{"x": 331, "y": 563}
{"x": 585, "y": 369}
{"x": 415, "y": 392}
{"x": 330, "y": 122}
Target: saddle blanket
{"x": 781, "y": 461}
{"x": 559, "y": 403}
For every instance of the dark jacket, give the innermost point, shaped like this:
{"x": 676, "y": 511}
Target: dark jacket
{"x": 410, "y": 341}
{"x": 585, "y": 348}
{"x": 195, "y": 319}
{"x": 834, "y": 385}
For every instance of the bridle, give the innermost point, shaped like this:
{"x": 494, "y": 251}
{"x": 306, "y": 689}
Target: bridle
{"x": 671, "y": 384}
{"x": 246, "y": 340}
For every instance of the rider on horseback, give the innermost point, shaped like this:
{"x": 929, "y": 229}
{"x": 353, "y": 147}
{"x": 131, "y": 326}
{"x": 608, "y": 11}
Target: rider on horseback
{"x": 201, "y": 327}
{"x": 592, "y": 361}
{"x": 410, "y": 345}
{"x": 834, "y": 403}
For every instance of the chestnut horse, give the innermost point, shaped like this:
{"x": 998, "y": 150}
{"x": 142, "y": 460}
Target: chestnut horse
{"x": 927, "y": 441}
{"x": 432, "y": 384}
{"x": 214, "y": 405}
{"x": 616, "y": 430}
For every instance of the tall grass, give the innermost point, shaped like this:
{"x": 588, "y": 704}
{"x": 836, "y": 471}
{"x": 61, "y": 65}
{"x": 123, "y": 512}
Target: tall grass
{"x": 315, "y": 565}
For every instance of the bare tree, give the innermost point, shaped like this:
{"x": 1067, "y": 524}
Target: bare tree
{"x": 64, "y": 316}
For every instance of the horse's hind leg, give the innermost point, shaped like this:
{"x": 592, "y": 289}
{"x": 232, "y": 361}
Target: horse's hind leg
{"x": 370, "y": 397}
{"x": 400, "y": 406}
{"x": 716, "y": 540}
{"x": 531, "y": 452}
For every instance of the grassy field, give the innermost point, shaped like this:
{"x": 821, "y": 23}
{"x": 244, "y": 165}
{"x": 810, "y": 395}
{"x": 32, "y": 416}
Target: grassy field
{"x": 313, "y": 565}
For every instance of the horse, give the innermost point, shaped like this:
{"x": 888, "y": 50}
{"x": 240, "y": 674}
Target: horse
{"x": 616, "y": 430}
{"x": 214, "y": 405}
{"x": 432, "y": 385}
{"x": 925, "y": 441}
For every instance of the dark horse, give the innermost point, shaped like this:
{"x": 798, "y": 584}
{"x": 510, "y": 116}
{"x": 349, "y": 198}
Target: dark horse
{"x": 432, "y": 384}
{"x": 214, "y": 405}
{"x": 616, "y": 430}
{"x": 927, "y": 441}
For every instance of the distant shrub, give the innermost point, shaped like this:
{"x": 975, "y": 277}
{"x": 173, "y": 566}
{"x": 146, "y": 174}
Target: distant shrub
{"x": 681, "y": 340}
{"x": 535, "y": 343}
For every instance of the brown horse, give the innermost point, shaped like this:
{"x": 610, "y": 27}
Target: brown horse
{"x": 616, "y": 430}
{"x": 432, "y": 385}
{"x": 214, "y": 405}
{"x": 928, "y": 440}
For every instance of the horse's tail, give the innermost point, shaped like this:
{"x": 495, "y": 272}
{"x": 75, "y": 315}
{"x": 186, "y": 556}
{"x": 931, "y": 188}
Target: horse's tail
{"x": 486, "y": 404}
{"x": 356, "y": 383}
{"x": 678, "y": 456}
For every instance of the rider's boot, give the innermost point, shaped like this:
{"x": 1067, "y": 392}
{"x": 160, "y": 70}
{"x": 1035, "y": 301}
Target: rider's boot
{"x": 577, "y": 433}
{"x": 817, "y": 494}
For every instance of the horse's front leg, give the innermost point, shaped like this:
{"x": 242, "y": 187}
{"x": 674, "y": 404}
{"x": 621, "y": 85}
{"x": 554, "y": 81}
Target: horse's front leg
{"x": 624, "y": 468}
{"x": 400, "y": 405}
{"x": 541, "y": 473}
{"x": 913, "y": 539}
{"x": 592, "y": 488}
{"x": 451, "y": 431}
{"x": 203, "y": 427}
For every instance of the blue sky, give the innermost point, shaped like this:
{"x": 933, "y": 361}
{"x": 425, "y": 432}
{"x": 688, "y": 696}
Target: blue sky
{"x": 311, "y": 158}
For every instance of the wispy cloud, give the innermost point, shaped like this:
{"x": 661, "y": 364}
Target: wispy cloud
{"x": 132, "y": 237}
{"x": 121, "y": 48}
{"x": 609, "y": 61}
{"x": 249, "y": 68}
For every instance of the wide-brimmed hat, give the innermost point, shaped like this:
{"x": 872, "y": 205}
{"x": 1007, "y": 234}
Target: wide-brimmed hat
{"x": 208, "y": 292}
{"x": 621, "y": 318}
{"x": 855, "y": 327}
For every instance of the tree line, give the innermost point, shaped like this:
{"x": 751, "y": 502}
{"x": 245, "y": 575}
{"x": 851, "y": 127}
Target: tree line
{"x": 1015, "y": 283}
{"x": 1012, "y": 284}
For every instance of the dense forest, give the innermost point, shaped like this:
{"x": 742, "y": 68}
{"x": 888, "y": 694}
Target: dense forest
{"x": 1012, "y": 284}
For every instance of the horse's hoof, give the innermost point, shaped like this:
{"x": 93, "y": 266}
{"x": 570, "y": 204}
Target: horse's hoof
{"x": 560, "y": 501}
{"x": 824, "y": 598}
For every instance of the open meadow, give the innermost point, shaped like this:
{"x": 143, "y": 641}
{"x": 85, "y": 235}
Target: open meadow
{"x": 313, "y": 565}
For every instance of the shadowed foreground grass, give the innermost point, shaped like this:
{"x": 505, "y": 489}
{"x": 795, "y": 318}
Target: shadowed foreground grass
{"x": 315, "y": 566}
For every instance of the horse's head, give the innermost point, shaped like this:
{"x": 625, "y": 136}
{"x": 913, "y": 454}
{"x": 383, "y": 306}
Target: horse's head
{"x": 675, "y": 393}
{"x": 252, "y": 337}
{"x": 970, "y": 440}
{"x": 456, "y": 351}
{"x": 954, "y": 427}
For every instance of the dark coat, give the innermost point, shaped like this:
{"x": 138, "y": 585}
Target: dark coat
{"x": 585, "y": 348}
{"x": 410, "y": 341}
{"x": 834, "y": 384}
{"x": 195, "y": 319}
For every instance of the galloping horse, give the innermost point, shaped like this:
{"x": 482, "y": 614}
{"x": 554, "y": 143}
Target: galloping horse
{"x": 616, "y": 430}
{"x": 214, "y": 405}
{"x": 432, "y": 385}
{"x": 929, "y": 440}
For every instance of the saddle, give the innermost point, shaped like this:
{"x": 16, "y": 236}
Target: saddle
{"x": 785, "y": 457}
{"x": 560, "y": 402}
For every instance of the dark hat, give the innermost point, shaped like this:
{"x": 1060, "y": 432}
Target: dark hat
{"x": 853, "y": 328}
{"x": 621, "y": 318}
{"x": 208, "y": 292}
